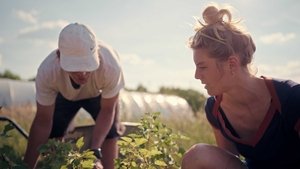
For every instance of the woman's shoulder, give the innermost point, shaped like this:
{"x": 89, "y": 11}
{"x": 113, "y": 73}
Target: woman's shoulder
{"x": 284, "y": 83}
{"x": 288, "y": 93}
{"x": 286, "y": 88}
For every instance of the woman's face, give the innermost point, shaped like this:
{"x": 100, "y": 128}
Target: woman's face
{"x": 80, "y": 77}
{"x": 210, "y": 72}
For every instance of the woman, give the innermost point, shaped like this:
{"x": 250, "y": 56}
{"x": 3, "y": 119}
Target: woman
{"x": 255, "y": 118}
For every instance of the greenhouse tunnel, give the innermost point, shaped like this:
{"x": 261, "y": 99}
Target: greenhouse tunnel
{"x": 17, "y": 99}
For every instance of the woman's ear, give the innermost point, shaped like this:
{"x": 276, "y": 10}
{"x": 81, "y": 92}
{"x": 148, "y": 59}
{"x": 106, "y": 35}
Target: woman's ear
{"x": 234, "y": 63}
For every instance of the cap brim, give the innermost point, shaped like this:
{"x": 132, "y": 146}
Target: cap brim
{"x": 79, "y": 64}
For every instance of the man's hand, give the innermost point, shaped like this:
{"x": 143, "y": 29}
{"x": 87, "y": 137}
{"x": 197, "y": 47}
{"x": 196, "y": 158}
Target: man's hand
{"x": 98, "y": 164}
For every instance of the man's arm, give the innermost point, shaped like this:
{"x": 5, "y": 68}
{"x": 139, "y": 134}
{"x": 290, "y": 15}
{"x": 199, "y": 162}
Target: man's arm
{"x": 39, "y": 133}
{"x": 104, "y": 121}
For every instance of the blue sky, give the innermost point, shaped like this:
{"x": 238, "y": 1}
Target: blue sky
{"x": 150, "y": 35}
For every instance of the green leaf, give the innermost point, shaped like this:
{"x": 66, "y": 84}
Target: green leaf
{"x": 122, "y": 143}
{"x": 79, "y": 143}
{"x": 126, "y": 139}
{"x": 133, "y": 164}
{"x": 133, "y": 135}
{"x": 155, "y": 152}
{"x": 144, "y": 152}
{"x": 89, "y": 155}
{"x": 160, "y": 163}
{"x": 87, "y": 163}
{"x": 64, "y": 167}
{"x": 8, "y": 127}
{"x": 140, "y": 141}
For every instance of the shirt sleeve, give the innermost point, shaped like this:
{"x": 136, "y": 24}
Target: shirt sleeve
{"x": 113, "y": 85}
{"x": 114, "y": 78}
{"x": 209, "y": 112}
{"x": 45, "y": 91}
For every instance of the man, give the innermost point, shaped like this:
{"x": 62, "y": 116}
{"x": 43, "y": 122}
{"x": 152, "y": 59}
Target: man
{"x": 85, "y": 73}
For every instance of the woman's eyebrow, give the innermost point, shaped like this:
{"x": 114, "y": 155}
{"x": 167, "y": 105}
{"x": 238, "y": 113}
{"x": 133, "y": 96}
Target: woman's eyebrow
{"x": 200, "y": 63}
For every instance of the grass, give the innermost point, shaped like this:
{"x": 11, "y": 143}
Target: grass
{"x": 24, "y": 117}
{"x": 196, "y": 128}
{"x": 16, "y": 140}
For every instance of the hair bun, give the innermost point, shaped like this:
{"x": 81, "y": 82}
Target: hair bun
{"x": 212, "y": 15}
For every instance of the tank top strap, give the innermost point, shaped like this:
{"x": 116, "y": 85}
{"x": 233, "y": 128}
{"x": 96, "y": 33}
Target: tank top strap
{"x": 218, "y": 100}
{"x": 272, "y": 90}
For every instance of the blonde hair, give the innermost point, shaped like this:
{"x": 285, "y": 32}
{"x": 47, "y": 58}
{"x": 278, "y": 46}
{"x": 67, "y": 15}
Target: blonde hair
{"x": 222, "y": 37}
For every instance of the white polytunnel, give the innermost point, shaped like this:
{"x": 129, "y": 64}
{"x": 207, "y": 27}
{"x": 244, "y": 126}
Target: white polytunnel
{"x": 132, "y": 104}
{"x": 16, "y": 93}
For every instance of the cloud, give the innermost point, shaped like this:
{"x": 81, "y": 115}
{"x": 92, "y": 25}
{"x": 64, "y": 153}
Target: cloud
{"x": 289, "y": 70}
{"x": 134, "y": 59}
{"x": 41, "y": 33}
{"x": 48, "y": 25}
{"x": 47, "y": 30}
{"x": 27, "y": 16}
{"x": 50, "y": 44}
{"x": 277, "y": 38}
{"x": 1, "y": 40}
{"x": 36, "y": 25}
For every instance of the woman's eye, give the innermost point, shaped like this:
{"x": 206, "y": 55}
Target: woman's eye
{"x": 202, "y": 67}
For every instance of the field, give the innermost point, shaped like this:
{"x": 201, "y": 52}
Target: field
{"x": 23, "y": 116}
{"x": 197, "y": 128}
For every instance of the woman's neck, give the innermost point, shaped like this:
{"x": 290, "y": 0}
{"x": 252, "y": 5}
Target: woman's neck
{"x": 247, "y": 90}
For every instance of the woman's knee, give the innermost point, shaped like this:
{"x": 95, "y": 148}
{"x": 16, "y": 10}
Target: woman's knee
{"x": 209, "y": 156}
{"x": 197, "y": 156}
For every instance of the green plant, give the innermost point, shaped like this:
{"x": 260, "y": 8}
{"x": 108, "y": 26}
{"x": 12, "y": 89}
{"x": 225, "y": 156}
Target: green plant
{"x": 153, "y": 146}
{"x": 54, "y": 154}
{"x": 8, "y": 157}
{"x": 198, "y": 130}
{"x": 64, "y": 155}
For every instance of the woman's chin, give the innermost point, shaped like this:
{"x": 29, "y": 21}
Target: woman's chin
{"x": 211, "y": 92}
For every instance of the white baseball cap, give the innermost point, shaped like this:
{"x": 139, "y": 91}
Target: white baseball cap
{"x": 78, "y": 48}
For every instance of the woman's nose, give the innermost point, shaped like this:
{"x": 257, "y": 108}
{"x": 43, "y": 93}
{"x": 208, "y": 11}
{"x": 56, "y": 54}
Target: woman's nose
{"x": 197, "y": 75}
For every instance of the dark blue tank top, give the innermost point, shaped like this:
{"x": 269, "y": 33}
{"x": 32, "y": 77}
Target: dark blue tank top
{"x": 276, "y": 145}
